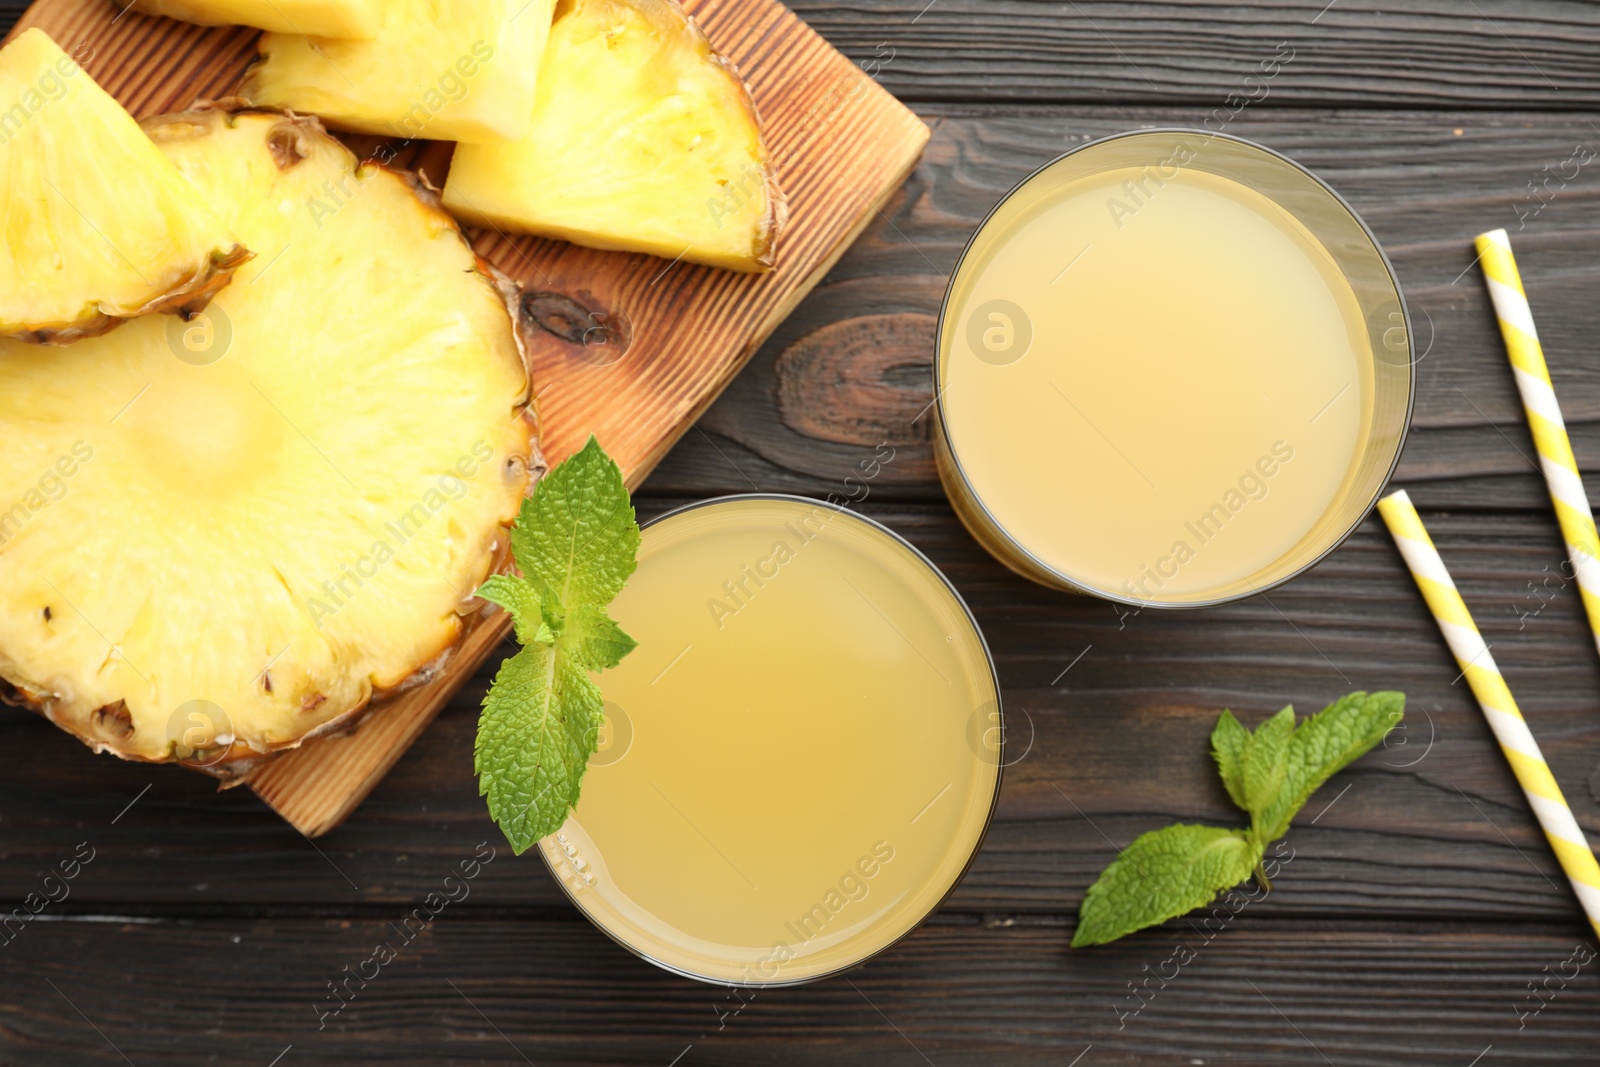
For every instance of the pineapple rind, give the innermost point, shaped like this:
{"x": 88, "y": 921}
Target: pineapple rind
{"x": 98, "y": 227}
{"x": 643, "y": 139}
{"x": 350, "y": 19}
{"x": 219, "y": 540}
{"x": 445, "y": 70}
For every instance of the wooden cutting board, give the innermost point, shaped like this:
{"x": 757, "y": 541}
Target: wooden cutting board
{"x": 679, "y": 334}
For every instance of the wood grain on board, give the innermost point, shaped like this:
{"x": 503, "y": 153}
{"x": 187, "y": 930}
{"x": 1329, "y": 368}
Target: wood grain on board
{"x": 841, "y": 145}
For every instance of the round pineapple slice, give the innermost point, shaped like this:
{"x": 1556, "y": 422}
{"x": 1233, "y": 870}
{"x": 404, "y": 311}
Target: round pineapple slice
{"x": 220, "y": 536}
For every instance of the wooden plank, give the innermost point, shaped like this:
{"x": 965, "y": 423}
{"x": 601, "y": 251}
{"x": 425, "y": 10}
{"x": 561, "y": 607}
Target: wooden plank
{"x": 1491, "y": 54}
{"x": 969, "y": 993}
{"x": 840, "y": 146}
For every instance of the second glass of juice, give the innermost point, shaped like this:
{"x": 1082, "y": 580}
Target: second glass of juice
{"x": 1174, "y": 369}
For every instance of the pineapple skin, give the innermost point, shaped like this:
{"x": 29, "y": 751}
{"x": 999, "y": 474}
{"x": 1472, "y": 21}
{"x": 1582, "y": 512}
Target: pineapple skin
{"x": 643, "y": 139}
{"x": 186, "y": 558}
{"x": 349, "y": 19}
{"x": 444, "y": 70}
{"x": 99, "y": 227}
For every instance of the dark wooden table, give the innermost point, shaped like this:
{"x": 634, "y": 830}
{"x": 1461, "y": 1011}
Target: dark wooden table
{"x": 1421, "y": 908}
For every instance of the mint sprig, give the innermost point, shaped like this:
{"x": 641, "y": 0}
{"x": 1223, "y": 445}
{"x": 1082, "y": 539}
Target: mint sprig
{"x": 575, "y": 541}
{"x": 1269, "y": 773}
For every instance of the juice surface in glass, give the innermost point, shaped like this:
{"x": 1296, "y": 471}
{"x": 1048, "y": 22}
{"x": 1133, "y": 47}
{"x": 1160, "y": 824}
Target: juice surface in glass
{"x": 1156, "y": 382}
{"x": 800, "y": 756}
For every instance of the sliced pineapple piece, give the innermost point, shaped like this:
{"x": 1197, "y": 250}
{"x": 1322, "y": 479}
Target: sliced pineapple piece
{"x": 353, "y": 19}
{"x": 219, "y": 537}
{"x": 644, "y": 139}
{"x": 446, "y": 70}
{"x": 99, "y": 227}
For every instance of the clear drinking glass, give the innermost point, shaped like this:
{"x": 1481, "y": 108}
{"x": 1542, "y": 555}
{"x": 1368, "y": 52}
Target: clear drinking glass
{"x": 1215, "y": 270}
{"x": 800, "y": 758}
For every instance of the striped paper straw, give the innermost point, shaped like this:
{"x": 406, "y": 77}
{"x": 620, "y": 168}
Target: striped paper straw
{"x": 1544, "y": 418}
{"x": 1510, "y": 729}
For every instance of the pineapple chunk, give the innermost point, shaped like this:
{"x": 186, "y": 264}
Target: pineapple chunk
{"x": 98, "y": 226}
{"x": 644, "y": 140}
{"x": 353, "y": 19}
{"x": 446, "y": 70}
{"x": 282, "y": 506}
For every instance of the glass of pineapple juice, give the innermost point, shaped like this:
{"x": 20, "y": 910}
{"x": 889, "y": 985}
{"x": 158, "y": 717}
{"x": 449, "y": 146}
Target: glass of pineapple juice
{"x": 1174, "y": 368}
{"x": 801, "y": 756}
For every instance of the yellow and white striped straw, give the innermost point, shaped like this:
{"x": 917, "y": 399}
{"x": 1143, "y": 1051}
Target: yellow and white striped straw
{"x": 1544, "y": 418}
{"x": 1510, "y": 729}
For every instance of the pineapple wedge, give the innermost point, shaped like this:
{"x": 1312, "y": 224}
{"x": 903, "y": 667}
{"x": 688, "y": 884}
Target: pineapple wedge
{"x": 446, "y": 70}
{"x": 644, "y": 139}
{"x": 98, "y": 226}
{"x": 220, "y": 537}
{"x": 353, "y": 19}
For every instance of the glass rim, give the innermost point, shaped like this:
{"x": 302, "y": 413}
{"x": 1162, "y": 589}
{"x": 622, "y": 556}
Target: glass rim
{"x": 1073, "y": 584}
{"x": 988, "y": 817}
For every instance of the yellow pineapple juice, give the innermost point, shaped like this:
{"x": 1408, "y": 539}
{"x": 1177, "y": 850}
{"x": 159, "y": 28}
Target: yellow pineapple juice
{"x": 1156, "y": 382}
{"x": 801, "y": 756}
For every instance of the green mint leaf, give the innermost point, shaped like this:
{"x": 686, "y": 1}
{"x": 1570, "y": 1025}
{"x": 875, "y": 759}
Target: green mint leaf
{"x": 520, "y": 602}
{"x": 576, "y": 539}
{"x": 1271, "y": 773}
{"x": 540, "y": 724}
{"x": 594, "y": 640}
{"x": 1324, "y": 744}
{"x": 1227, "y": 748}
{"x": 1266, "y": 764}
{"x": 1162, "y": 875}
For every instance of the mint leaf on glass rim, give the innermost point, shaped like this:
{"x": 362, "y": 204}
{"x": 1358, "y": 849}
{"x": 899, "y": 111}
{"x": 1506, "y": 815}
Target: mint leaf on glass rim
{"x": 575, "y": 541}
{"x": 593, "y": 639}
{"x": 519, "y": 600}
{"x": 540, "y": 723}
